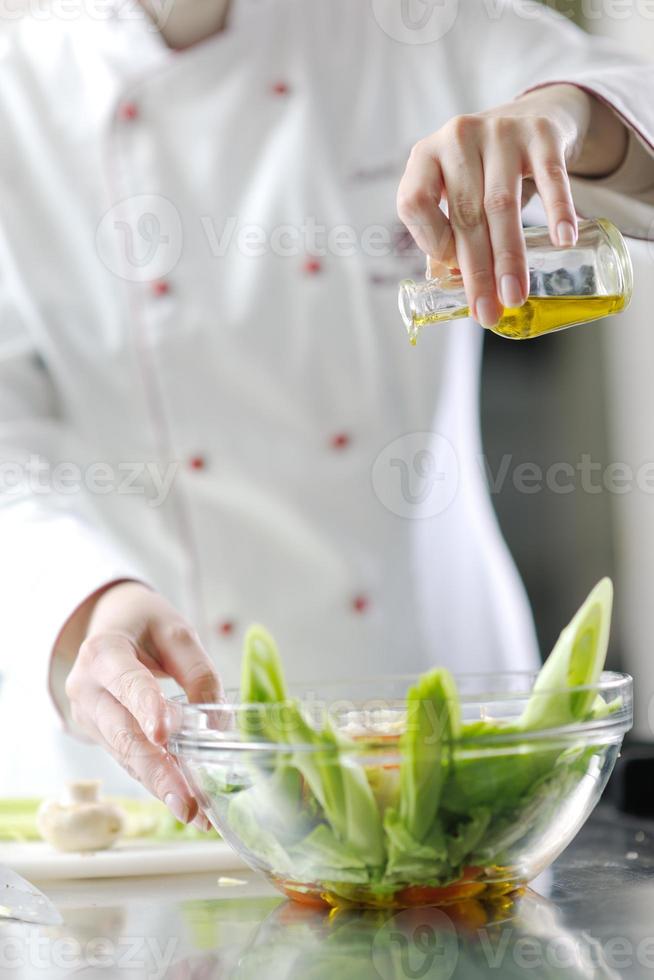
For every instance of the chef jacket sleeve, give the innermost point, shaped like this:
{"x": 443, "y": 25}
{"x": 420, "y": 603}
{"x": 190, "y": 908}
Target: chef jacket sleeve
{"x": 524, "y": 45}
{"x": 54, "y": 554}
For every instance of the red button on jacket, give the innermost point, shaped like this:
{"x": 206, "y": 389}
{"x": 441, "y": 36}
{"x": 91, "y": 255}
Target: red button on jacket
{"x": 128, "y": 111}
{"x": 340, "y": 440}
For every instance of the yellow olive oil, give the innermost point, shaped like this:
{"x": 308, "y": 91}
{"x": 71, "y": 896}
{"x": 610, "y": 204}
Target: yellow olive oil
{"x": 538, "y": 316}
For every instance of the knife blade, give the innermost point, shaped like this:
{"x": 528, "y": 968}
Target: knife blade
{"x": 21, "y": 900}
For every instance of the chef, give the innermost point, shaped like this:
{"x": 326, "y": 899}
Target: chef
{"x": 209, "y": 411}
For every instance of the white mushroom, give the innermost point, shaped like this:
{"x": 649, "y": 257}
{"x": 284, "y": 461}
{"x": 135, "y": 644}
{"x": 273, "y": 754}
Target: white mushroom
{"x": 82, "y": 821}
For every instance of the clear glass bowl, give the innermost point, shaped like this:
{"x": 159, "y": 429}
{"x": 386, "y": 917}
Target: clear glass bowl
{"x": 510, "y": 802}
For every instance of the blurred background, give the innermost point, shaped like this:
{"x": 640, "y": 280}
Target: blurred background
{"x": 583, "y": 397}
{"x": 587, "y": 395}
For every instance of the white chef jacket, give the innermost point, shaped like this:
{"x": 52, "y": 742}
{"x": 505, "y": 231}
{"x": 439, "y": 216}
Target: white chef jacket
{"x": 273, "y": 376}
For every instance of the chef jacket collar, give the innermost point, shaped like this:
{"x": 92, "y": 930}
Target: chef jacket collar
{"x": 133, "y": 29}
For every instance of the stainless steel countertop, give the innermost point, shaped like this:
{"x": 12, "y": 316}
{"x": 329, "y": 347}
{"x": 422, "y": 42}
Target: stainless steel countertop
{"x": 591, "y": 915}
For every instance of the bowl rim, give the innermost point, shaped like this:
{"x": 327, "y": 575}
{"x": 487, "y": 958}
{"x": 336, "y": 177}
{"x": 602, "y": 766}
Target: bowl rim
{"x": 609, "y": 680}
{"x": 614, "y": 724}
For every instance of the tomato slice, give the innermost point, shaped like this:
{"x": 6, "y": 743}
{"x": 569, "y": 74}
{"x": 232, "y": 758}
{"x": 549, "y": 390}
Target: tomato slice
{"x": 413, "y": 896}
{"x": 471, "y": 873}
{"x": 469, "y": 915}
{"x": 429, "y": 895}
{"x": 309, "y": 899}
{"x": 292, "y": 912}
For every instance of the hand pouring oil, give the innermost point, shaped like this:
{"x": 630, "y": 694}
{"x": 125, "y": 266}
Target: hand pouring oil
{"x": 567, "y": 286}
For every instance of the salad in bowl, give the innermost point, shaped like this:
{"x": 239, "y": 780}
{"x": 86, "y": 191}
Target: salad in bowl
{"x": 399, "y": 792}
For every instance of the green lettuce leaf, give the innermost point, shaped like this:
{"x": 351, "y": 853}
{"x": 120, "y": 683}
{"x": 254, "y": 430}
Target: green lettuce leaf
{"x": 320, "y": 855}
{"x": 433, "y": 722}
{"x": 495, "y": 776}
{"x": 330, "y": 770}
{"x": 545, "y": 796}
{"x": 467, "y": 835}
{"x": 412, "y": 860}
{"x": 463, "y": 793}
{"x": 244, "y": 815}
{"x": 577, "y": 660}
{"x": 262, "y": 677}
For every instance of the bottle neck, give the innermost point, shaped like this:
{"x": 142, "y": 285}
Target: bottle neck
{"x": 430, "y": 302}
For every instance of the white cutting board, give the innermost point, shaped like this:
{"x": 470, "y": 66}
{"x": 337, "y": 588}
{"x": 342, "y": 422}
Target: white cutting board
{"x": 38, "y": 861}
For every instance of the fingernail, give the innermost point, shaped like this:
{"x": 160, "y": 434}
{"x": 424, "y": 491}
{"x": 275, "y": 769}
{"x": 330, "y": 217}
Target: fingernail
{"x": 201, "y": 822}
{"x": 156, "y": 731}
{"x": 565, "y": 233}
{"x": 177, "y": 806}
{"x": 510, "y": 291}
{"x": 486, "y": 311}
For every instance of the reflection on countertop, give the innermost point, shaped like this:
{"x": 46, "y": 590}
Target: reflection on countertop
{"x": 591, "y": 916}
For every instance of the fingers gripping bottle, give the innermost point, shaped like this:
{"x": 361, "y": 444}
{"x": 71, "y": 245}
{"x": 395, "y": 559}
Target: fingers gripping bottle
{"x": 567, "y": 286}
